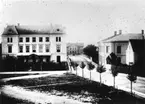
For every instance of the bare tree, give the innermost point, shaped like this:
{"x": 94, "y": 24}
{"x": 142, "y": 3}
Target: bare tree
{"x": 131, "y": 76}
{"x": 75, "y": 65}
{"x": 90, "y": 67}
{"x": 82, "y": 65}
{"x": 114, "y": 71}
{"x": 100, "y": 68}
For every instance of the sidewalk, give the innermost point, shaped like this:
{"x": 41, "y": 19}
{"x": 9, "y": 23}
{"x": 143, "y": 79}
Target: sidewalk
{"x": 43, "y": 74}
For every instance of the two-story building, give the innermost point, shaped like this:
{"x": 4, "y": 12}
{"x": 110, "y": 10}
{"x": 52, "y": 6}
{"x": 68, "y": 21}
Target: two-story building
{"x": 123, "y": 46}
{"x": 47, "y": 42}
{"x": 75, "y": 48}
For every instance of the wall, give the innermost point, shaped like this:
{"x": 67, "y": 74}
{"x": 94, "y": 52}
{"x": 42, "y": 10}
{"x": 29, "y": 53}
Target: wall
{"x": 52, "y": 42}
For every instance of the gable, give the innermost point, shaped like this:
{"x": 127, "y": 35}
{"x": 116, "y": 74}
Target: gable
{"x": 10, "y": 30}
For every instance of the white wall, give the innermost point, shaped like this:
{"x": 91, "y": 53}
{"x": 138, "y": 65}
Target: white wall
{"x": 129, "y": 54}
{"x": 52, "y": 42}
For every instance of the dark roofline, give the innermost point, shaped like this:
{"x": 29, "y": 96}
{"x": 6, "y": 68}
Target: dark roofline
{"x": 21, "y": 30}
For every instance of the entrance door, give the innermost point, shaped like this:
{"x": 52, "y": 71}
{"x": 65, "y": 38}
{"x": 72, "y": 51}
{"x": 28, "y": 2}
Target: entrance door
{"x": 58, "y": 58}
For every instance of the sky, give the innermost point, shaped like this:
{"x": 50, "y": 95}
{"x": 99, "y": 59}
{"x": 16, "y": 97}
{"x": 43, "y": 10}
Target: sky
{"x": 87, "y": 21}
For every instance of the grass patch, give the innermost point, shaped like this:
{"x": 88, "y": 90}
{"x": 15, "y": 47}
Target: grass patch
{"x": 77, "y": 88}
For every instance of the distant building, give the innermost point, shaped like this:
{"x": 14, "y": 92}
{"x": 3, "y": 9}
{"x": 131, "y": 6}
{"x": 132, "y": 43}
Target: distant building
{"x": 129, "y": 48}
{"x": 47, "y": 42}
{"x": 75, "y": 48}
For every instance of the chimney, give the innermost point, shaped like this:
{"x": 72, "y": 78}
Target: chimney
{"x": 115, "y": 33}
{"x": 18, "y": 24}
{"x": 142, "y": 31}
{"x": 120, "y": 32}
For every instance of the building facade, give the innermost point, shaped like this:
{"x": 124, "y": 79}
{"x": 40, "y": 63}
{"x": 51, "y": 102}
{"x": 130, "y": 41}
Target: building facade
{"x": 120, "y": 45}
{"x": 75, "y": 48}
{"x": 47, "y": 42}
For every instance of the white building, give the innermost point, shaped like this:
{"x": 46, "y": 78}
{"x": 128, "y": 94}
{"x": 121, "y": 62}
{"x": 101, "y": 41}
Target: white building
{"x": 122, "y": 45}
{"x": 75, "y": 48}
{"x": 45, "y": 41}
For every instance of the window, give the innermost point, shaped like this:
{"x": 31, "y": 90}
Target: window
{"x": 9, "y": 40}
{"x": 20, "y": 48}
{"x": 118, "y": 49}
{"x": 40, "y": 39}
{"x": 27, "y": 48}
{"x": 58, "y": 39}
{"x": 40, "y": 48}
{"x": 9, "y": 48}
{"x": 33, "y": 47}
{"x": 34, "y": 39}
{"x": 27, "y": 39}
{"x": 47, "y": 39}
{"x": 20, "y": 39}
{"x": 58, "y": 48}
{"x": 47, "y": 47}
{"x": 107, "y": 49}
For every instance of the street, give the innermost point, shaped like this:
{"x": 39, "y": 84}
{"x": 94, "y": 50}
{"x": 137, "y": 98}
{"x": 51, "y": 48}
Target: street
{"x": 121, "y": 81}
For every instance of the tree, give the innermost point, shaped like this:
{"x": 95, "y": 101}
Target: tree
{"x": 82, "y": 65}
{"x": 100, "y": 69}
{"x": 91, "y": 51}
{"x": 114, "y": 72}
{"x": 131, "y": 76}
{"x": 90, "y": 67}
{"x": 75, "y": 65}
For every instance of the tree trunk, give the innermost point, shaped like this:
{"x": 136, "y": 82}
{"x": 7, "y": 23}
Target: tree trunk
{"x": 82, "y": 72}
{"x": 76, "y": 71}
{"x": 90, "y": 74}
{"x": 131, "y": 86}
{"x": 100, "y": 78}
{"x": 114, "y": 82}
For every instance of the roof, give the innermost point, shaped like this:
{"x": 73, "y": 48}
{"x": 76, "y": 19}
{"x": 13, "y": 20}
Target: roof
{"x": 138, "y": 46}
{"x": 124, "y": 37}
{"x": 24, "y": 29}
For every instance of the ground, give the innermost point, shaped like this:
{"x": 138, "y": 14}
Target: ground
{"x": 62, "y": 89}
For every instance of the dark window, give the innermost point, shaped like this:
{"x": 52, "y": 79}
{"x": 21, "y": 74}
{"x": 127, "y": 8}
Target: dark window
{"x": 107, "y": 49}
{"x": 9, "y": 40}
{"x": 40, "y": 39}
{"x": 20, "y": 48}
{"x": 47, "y": 47}
{"x": 34, "y": 39}
{"x": 27, "y": 48}
{"x": 9, "y": 48}
{"x": 47, "y": 39}
{"x": 20, "y": 39}
{"x": 58, "y": 58}
{"x": 58, "y": 48}
{"x": 56, "y": 39}
{"x": 27, "y": 39}
{"x": 118, "y": 49}
{"x": 59, "y": 39}
{"x": 33, "y": 48}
